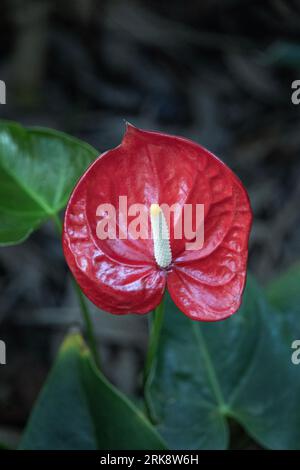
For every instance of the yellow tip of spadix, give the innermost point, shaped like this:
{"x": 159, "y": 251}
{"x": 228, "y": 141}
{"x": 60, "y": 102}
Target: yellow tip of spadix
{"x": 155, "y": 209}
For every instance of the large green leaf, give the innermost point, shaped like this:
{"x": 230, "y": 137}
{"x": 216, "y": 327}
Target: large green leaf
{"x": 38, "y": 169}
{"x": 79, "y": 409}
{"x": 239, "y": 368}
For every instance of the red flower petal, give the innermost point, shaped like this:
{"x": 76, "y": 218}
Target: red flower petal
{"x": 111, "y": 285}
{"x": 210, "y": 288}
{"x": 205, "y": 302}
{"x": 121, "y": 275}
{"x": 150, "y": 167}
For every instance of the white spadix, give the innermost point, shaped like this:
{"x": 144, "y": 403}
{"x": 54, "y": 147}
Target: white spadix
{"x": 161, "y": 236}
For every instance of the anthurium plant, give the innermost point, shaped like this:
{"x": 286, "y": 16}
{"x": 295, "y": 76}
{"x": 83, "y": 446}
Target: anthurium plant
{"x": 158, "y": 226}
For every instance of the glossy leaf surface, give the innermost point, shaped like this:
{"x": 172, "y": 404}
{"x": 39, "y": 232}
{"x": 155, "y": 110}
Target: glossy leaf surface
{"x": 239, "y": 368}
{"x": 38, "y": 169}
{"x": 79, "y": 409}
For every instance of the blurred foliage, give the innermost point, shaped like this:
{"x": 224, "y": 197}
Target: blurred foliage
{"x": 284, "y": 291}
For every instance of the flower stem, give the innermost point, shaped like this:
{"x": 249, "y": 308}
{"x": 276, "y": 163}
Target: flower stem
{"x": 156, "y": 326}
{"x": 89, "y": 328}
{"x": 86, "y": 316}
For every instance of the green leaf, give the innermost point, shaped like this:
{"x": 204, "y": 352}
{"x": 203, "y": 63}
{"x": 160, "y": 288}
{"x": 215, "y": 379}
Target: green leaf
{"x": 79, "y": 409}
{"x": 38, "y": 170}
{"x": 239, "y": 368}
{"x": 284, "y": 291}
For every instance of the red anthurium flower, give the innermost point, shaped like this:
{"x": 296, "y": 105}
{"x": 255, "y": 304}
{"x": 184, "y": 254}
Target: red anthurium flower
{"x": 124, "y": 274}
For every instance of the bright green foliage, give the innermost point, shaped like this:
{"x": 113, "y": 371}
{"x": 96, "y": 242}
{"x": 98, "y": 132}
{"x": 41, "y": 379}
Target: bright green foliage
{"x": 38, "y": 170}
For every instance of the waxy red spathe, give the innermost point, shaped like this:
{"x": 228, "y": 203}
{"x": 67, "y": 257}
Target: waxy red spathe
{"x": 122, "y": 276}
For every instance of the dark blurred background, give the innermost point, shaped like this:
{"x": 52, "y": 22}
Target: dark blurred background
{"x": 218, "y": 72}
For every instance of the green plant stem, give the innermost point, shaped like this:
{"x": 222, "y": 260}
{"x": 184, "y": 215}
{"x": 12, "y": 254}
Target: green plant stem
{"x": 86, "y": 316}
{"x": 156, "y": 325}
{"x": 88, "y": 323}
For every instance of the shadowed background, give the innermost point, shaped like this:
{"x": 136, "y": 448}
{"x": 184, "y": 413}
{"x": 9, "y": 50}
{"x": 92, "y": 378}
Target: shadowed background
{"x": 218, "y": 72}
